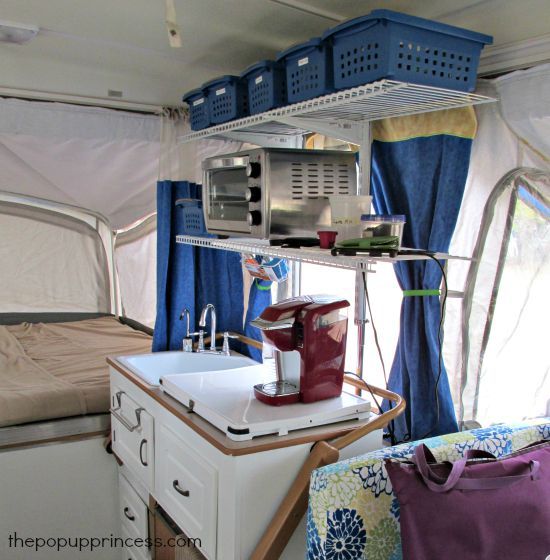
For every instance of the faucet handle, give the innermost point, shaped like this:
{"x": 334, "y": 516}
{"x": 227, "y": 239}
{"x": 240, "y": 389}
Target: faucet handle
{"x": 200, "y": 345}
{"x": 225, "y": 346}
{"x": 188, "y": 341}
{"x": 187, "y": 344}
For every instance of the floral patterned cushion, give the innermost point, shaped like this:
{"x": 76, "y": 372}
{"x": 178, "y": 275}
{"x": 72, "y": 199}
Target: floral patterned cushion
{"x": 353, "y": 513}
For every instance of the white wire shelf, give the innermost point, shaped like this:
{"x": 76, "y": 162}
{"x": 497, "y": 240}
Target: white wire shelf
{"x": 386, "y": 98}
{"x": 311, "y": 255}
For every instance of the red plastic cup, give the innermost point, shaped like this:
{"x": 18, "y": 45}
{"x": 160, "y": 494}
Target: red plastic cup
{"x": 327, "y": 238}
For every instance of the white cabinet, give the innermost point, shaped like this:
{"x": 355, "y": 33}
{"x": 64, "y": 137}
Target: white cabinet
{"x": 221, "y": 494}
{"x": 132, "y": 431}
{"x": 134, "y": 522}
{"x": 132, "y": 552}
{"x": 133, "y": 511}
{"x": 186, "y": 484}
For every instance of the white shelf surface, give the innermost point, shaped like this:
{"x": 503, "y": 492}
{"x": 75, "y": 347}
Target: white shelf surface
{"x": 345, "y": 110}
{"x": 312, "y": 255}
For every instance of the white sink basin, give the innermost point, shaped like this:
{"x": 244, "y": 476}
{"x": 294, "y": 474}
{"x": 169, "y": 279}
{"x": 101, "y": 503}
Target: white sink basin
{"x": 151, "y": 367}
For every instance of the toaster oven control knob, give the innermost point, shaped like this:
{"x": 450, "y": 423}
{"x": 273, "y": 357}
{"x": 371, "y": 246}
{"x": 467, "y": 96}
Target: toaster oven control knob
{"x": 253, "y": 169}
{"x": 254, "y": 218}
{"x": 253, "y": 194}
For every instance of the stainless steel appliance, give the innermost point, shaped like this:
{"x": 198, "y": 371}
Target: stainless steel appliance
{"x": 270, "y": 193}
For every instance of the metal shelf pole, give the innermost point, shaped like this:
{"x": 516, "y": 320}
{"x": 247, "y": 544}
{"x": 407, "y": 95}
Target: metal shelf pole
{"x": 361, "y": 320}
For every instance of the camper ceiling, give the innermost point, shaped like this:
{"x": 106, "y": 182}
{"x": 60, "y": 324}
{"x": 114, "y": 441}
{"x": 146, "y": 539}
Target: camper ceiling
{"x": 88, "y": 48}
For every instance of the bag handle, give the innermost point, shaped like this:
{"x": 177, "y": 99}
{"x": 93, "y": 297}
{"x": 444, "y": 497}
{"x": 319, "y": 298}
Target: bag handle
{"x": 427, "y": 457}
{"x": 434, "y": 482}
{"x": 454, "y": 481}
{"x": 530, "y": 471}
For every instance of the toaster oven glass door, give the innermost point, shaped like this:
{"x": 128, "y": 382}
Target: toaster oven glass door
{"x": 227, "y": 204}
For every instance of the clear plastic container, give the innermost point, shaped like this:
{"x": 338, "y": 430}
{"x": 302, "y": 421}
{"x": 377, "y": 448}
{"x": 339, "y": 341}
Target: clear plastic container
{"x": 383, "y": 225}
{"x": 346, "y": 211}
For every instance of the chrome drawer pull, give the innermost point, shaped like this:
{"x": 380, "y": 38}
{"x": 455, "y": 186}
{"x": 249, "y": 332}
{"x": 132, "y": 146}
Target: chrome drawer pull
{"x": 128, "y": 516}
{"x": 143, "y": 442}
{"x": 125, "y": 422}
{"x": 184, "y": 493}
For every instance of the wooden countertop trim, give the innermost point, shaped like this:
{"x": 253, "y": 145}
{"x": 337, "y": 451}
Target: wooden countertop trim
{"x": 218, "y": 439}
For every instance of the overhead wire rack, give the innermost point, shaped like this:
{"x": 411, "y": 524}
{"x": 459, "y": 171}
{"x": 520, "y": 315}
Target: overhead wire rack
{"x": 378, "y": 100}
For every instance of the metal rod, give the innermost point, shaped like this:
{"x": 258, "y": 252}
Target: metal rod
{"x": 365, "y": 153}
{"x": 360, "y": 320}
{"x": 124, "y": 422}
{"x": 296, "y": 286}
{"x": 310, "y": 10}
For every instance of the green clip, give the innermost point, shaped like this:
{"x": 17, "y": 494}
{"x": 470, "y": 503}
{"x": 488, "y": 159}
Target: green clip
{"x": 263, "y": 288}
{"x": 407, "y": 293}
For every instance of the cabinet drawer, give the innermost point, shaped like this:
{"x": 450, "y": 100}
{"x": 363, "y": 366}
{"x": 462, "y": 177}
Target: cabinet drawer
{"x": 133, "y": 552}
{"x": 133, "y": 436}
{"x": 187, "y": 487}
{"x": 133, "y": 512}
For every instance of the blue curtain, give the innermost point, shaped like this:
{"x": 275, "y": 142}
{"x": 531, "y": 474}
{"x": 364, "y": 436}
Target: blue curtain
{"x": 190, "y": 277}
{"x": 424, "y": 179}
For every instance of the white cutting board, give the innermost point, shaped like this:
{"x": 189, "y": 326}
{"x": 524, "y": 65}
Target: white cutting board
{"x": 226, "y": 400}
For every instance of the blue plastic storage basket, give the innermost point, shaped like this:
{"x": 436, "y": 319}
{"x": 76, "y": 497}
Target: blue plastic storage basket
{"x": 266, "y": 86}
{"x": 227, "y": 98}
{"x": 308, "y": 70}
{"x": 193, "y": 217}
{"x": 199, "y": 114}
{"x": 387, "y": 44}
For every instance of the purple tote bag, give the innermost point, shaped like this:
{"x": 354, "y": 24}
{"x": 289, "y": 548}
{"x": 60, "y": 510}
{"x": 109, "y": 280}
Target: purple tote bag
{"x": 477, "y": 508}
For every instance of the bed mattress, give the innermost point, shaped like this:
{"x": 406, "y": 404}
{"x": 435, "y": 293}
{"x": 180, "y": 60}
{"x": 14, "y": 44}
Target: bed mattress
{"x": 57, "y": 370}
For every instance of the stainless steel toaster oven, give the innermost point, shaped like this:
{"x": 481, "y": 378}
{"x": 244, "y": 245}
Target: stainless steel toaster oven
{"x": 268, "y": 193}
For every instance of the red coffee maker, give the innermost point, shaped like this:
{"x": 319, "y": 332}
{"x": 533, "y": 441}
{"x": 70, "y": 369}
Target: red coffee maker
{"x": 308, "y": 334}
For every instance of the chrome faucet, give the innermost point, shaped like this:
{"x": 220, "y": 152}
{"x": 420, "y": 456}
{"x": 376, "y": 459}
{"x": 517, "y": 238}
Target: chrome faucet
{"x": 187, "y": 344}
{"x": 202, "y": 324}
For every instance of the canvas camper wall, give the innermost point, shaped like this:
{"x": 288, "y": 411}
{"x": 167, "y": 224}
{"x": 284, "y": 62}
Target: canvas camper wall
{"x": 494, "y": 328}
{"x": 98, "y": 159}
{"x": 103, "y": 165}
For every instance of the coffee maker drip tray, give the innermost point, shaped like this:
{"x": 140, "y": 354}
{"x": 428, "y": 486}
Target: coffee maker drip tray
{"x": 278, "y": 388}
{"x": 226, "y": 400}
{"x": 279, "y": 392}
